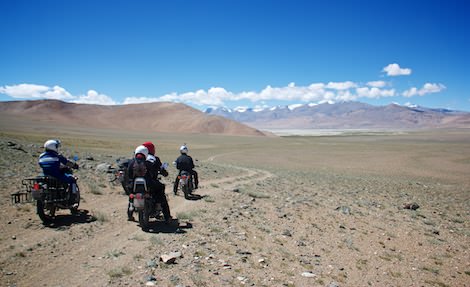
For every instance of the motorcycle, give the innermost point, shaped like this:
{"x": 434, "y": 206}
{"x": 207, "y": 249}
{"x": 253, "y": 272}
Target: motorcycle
{"x": 142, "y": 202}
{"x": 51, "y": 195}
{"x": 186, "y": 183}
{"x": 121, "y": 174}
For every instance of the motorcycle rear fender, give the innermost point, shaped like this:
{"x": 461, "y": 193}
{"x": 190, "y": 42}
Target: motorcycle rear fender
{"x": 139, "y": 201}
{"x": 140, "y": 185}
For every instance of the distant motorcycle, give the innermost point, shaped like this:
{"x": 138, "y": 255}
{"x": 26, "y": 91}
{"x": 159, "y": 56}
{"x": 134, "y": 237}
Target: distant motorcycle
{"x": 51, "y": 195}
{"x": 186, "y": 183}
{"x": 142, "y": 201}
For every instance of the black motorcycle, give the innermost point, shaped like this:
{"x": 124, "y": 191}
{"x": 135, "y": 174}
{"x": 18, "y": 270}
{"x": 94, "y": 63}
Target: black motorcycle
{"x": 52, "y": 195}
{"x": 186, "y": 183}
{"x": 121, "y": 174}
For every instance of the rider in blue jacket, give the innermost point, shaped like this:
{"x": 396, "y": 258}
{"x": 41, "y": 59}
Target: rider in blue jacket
{"x": 51, "y": 161}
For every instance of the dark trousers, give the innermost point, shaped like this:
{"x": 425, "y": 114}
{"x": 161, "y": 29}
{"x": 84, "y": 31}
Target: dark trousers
{"x": 160, "y": 197}
{"x": 195, "y": 179}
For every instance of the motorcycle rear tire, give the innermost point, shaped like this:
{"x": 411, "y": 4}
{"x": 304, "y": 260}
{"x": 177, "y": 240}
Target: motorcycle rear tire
{"x": 144, "y": 218}
{"x": 41, "y": 210}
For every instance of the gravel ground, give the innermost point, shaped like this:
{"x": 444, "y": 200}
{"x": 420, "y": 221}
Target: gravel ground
{"x": 269, "y": 215}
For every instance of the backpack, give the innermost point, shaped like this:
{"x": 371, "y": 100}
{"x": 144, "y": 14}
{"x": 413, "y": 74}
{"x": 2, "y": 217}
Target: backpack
{"x": 139, "y": 168}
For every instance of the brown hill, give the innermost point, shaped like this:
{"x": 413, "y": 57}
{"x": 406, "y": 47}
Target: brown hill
{"x": 156, "y": 117}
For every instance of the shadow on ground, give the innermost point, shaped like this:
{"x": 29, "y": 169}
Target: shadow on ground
{"x": 173, "y": 227}
{"x": 195, "y": 197}
{"x": 82, "y": 216}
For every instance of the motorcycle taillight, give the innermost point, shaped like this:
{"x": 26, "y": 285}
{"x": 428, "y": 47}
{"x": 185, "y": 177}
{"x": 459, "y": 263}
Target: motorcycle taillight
{"x": 36, "y": 186}
{"x": 131, "y": 196}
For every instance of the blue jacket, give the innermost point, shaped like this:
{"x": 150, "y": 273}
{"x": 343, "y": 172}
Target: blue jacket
{"x": 50, "y": 162}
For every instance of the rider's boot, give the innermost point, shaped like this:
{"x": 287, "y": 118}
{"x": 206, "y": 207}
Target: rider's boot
{"x": 130, "y": 212}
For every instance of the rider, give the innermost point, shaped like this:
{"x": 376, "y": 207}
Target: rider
{"x": 52, "y": 164}
{"x": 155, "y": 169}
{"x": 185, "y": 163}
{"x": 137, "y": 167}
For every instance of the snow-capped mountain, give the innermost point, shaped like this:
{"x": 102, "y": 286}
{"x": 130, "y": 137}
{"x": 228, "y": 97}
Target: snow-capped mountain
{"x": 353, "y": 115}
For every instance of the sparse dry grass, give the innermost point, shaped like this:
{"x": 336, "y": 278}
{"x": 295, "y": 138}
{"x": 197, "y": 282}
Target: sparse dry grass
{"x": 333, "y": 205}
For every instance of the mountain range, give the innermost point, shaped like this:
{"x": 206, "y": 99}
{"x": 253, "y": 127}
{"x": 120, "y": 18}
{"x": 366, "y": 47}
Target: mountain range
{"x": 180, "y": 118}
{"x": 346, "y": 115}
{"x": 152, "y": 117}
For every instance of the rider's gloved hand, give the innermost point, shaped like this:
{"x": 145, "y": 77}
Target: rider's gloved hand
{"x": 75, "y": 166}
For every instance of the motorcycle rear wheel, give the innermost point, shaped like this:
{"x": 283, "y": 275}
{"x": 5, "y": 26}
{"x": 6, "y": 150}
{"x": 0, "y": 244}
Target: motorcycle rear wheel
{"x": 144, "y": 218}
{"x": 45, "y": 214}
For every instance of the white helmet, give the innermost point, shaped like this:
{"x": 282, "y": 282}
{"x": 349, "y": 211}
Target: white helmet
{"x": 52, "y": 145}
{"x": 142, "y": 149}
{"x": 184, "y": 149}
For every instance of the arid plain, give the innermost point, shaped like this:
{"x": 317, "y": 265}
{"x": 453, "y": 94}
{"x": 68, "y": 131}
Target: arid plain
{"x": 275, "y": 211}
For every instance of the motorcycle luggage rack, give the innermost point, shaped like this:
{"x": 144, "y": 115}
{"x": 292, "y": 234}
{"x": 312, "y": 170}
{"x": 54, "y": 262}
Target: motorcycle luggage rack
{"x": 54, "y": 190}
{"x": 20, "y": 197}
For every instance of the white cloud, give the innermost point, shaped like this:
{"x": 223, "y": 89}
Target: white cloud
{"x": 315, "y": 92}
{"x": 427, "y": 88}
{"x": 93, "y": 97}
{"x": 31, "y": 91}
{"x": 140, "y": 100}
{"x": 377, "y": 84}
{"x": 217, "y": 96}
{"x": 341, "y": 85}
{"x": 213, "y": 97}
{"x": 395, "y": 70}
{"x": 374, "y": 93}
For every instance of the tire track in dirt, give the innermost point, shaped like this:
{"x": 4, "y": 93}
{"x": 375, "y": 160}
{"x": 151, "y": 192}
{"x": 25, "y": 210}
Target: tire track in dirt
{"x": 252, "y": 175}
{"x": 208, "y": 187}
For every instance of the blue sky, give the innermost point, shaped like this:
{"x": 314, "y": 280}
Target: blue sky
{"x": 237, "y": 53}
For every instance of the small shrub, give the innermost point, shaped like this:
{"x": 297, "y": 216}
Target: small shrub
{"x": 119, "y": 272}
{"x": 114, "y": 253}
{"x": 156, "y": 240}
{"x": 137, "y": 238}
{"x": 94, "y": 189}
{"x": 101, "y": 217}
{"x": 257, "y": 194}
{"x": 432, "y": 270}
{"x": 187, "y": 215}
{"x": 20, "y": 254}
{"x": 209, "y": 199}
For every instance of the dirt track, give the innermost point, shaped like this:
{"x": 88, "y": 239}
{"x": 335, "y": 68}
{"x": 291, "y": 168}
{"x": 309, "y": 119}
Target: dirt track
{"x": 272, "y": 226}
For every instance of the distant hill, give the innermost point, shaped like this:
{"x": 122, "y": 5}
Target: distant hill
{"x": 156, "y": 117}
{"x": 346, "y": 115}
